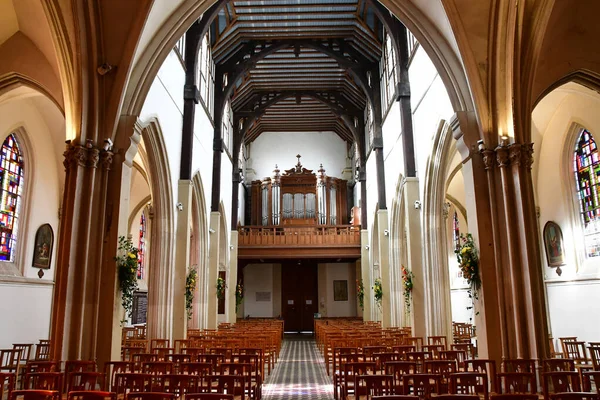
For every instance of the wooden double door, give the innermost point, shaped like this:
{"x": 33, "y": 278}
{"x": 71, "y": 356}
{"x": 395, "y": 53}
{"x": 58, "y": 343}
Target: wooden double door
{"x": 299, "y": 296}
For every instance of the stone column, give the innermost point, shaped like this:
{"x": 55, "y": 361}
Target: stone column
{"x": 182, "y": 258}
{"x": 232, "y": 277}
{"x": 414, "y": 251}
{"x": 213, "y": 270}
{"x": 86, "y": 307}
{"x": 384, "y": 267}
{"x": 365, "y": 264}
{"x": 511, "y": 320}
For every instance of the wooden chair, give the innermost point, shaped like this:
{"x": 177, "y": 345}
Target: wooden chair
{"x": 229, "y": 384}
{"x": 157, "y": 367}
{"x": 180, "y": 384}
{"x": 558, "y": 364}
{"x": 132, "y": 382}
{"x": 10, "y": 360}
{"x": 576, "y": 351}
{"x": 419, "y": 357}
{"x": 595, "y": 355}
{"x": 518, "y": 396}
{"x": 84, "y": 381}
{"x": 382, "y": 358}
{"x": 520, "y": 365}
{"x": 396, "y": 397}
{"x": 35, "y": 395}
{"x": 159, "y": 343}
{"x": 414, "y": 341}
{"x": 454, "y": 396}
{"x": 562, "y": 344}
{"x": 7, "y": 384}
{"x": 589, "y": 377}
{"x": 421, "y": 385}
{"x": 433, "y": 349}
{"x": 574, "y": 396}
{"x": 474, "y": 383}
{"x": 208, "y": 396}
{"x": 150, "y": 396}
{"x": 517, "y": 383}
{"x": 42, "y": 351}
{"x": 91, "y": 395}
{"x": 560, "y": 382}
{"x": 42, "y": 366}
{"x": 438, "y": 341}
{"x": 484, "y": 366}
{"x": 25, "y": 351}
{"x": 44, "y": 381}
{"x": 443, "y": 368}
{"x": 403, "y": 349}
{"x": 111, "y": 369}
{"x": 367, "y": 386}
{"x": 553, "y": 352}
{"x": 349, "y": 372}
{"x": 197, "y": 368}
{"x": 80, "y": 366}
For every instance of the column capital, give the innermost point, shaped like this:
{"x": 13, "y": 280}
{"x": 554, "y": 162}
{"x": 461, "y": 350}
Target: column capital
{"x": 87, "y": 156}
{"x": 502, "y": 156}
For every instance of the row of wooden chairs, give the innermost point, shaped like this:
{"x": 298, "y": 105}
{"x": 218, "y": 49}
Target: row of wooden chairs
{"x": 102, "y": 395}
{"x": 361, "y": 378}
{"x": 236, "y": 378}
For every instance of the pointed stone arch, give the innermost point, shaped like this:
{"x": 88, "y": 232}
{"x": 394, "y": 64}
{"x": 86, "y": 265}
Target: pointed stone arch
{"x": 435, "y": 260}
{"x": 199, "y": 251}
{"x": 162, "y": 239}
{"x": 398, "y": 256}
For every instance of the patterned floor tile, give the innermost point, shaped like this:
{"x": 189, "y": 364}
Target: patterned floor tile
{"x": 300, "y": 373}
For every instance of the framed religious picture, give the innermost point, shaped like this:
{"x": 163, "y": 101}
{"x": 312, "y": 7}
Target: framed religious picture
{"x": 553, "y": 243}
{"x": 340, "y": 290}
{"x": 42, "y": 251}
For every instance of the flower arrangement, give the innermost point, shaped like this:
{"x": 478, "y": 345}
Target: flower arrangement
{"x": 127, "y": 265}
{"x": 221, "y": 286}
{"x": 239, "y": 295}
{"x": 468, "y": 262}
{"x": 360, "y": 293}
{"x": 190, "y": 287}
{"x": 378, "y": 290}
{"x": 407, "y": 284}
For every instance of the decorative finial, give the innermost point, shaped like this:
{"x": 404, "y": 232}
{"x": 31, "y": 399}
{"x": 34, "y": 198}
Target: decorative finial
{"x": 299, "y": 165}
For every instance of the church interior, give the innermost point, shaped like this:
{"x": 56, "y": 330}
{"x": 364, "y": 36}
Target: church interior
{"x": 299, "y": 199}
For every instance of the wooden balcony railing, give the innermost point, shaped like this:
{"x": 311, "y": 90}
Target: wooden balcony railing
{"x": 300, "y": 235}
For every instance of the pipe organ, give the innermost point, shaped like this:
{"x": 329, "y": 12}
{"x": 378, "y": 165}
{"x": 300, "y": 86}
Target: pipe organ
{"x": 298, "y": 196}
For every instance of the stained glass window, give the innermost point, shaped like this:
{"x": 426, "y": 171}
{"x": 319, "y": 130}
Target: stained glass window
{"x": 11, "y": 181}
{"x": 456, "y": 231}
{"x": 142, "y": 247}
{"x": 586, "y": 166}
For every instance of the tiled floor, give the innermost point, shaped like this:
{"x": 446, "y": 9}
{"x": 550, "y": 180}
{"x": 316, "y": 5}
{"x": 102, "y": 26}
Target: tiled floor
{"x": 300, "y": 373}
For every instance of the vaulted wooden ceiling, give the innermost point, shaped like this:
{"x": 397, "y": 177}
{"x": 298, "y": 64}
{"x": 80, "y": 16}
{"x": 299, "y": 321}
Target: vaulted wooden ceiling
{"x": 300, "y": 81}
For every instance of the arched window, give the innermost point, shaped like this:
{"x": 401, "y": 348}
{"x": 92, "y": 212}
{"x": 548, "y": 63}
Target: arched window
{"x": 11, "y": 181}
{"x": 455, "y": 231}
{"x": 586, "y": 166}
{"x": 142, "y": 247}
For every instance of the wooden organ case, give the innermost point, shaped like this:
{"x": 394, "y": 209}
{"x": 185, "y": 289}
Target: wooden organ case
{"x": 299, "y": 197}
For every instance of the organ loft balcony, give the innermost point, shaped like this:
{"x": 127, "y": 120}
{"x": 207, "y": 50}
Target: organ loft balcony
{"x": 298, "y": 213}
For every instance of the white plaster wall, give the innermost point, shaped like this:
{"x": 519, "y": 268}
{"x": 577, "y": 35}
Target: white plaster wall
{"x": 573, "y": 308}
{"x": 281, "y": 148}
{"x": 575, "y": 295}
{"x": 165, "y": 101}
{"x": 26, "y": 306}
{"x": 203, "y": 154}
{"x": 25, "y": 311}
{"x": 258, "y": 278}
{"x": 460, "y": 301}
{"x": 327, "y": 274}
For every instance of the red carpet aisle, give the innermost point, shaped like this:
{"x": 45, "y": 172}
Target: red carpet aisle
{"x": 299, "y": 374}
